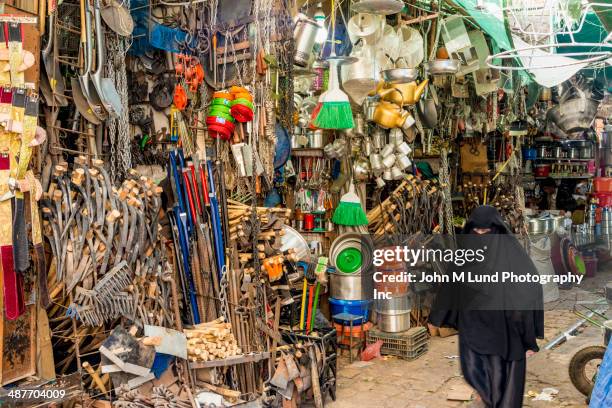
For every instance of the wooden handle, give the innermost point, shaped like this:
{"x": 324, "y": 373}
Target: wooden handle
{"x": 83, "y": 29}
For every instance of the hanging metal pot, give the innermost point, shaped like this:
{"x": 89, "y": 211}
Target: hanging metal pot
{"x": 361, "y": 169}
{"x": 304, "y": 35}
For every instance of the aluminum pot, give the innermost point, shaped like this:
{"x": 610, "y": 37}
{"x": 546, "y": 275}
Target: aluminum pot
{"x": 573, "y": 153}
{"x": 541, "y": 226}
{"x": 304, "y": 34}
{"x": 361, "y": 169}
{"x": 392, "y": 323}
{"x": 395, "y": 305}
{"x": 317, "y": 139}
{"x": 586, "y": 152}
{"x": 542, "y": 151}
{"x": 350, "y": 287}
{"x": 557, "y": 152}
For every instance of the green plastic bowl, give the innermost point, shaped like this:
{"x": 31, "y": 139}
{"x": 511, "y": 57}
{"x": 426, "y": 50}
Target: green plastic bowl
{"x": 223, "y": 115}
{"x": 221, "y": 102}
{"x": 244, "y": 102}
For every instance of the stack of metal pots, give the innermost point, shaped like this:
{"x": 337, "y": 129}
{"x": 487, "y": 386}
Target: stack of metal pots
{"x": 351, "y": 281}
{"x": 392, "y": 315}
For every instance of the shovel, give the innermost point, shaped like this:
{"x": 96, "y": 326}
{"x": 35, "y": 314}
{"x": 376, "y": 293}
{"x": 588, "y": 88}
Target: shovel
{"x": 52, "y": 67}
{"x": 104, "y": 86}
{"x": 86, "y": 83}
{"x": 78, "y": 95}
{"x": 117, "y": 17}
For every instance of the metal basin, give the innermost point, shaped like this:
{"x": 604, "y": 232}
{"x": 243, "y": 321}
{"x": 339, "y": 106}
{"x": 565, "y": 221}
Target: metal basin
{"x": 399, "y": 75}
{"x": 350, "y": 287}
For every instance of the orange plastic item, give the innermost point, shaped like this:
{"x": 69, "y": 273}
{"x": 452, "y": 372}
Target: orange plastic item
{"x": 180, "y": 97}
{"x": 602, "y": 184}
{"x": 246, "y": 96}
{"x": 238, "y": 89}
{"x": 223, "y": 95}
{"x": 357, "y": 332}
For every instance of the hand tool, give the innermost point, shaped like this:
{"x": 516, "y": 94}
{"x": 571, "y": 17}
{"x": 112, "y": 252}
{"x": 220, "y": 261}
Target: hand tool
{"x": 52, "y": 67}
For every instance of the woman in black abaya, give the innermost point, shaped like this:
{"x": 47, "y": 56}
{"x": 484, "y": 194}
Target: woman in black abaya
{"x": 497, "y": 323}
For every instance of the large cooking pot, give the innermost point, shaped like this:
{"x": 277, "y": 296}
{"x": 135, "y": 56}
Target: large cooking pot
{"x": 350, "y": 287}
{"x": 392, "y": 315}
{"x": 541, "y": 225}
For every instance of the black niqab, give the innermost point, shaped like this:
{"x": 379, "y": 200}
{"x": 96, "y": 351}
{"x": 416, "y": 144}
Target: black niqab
{"x": 502, "y": 319}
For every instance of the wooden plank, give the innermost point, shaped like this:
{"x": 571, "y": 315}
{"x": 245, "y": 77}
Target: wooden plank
{"x": 245, "y": 358}
{"x": 19, "y": 357}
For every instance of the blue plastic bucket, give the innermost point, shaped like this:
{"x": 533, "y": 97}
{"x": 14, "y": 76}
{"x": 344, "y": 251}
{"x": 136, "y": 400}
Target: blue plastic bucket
{"x": 354, "y": 307}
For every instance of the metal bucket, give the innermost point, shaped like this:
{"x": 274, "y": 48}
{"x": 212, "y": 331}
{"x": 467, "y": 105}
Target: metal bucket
{"x": 392, "y": 315}
{"x": 350, "y": 287}
{"x": 304, "y": 34}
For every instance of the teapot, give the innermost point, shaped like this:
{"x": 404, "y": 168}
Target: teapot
{"x": 403, "y": 94}
{"x": 389, "y": 115}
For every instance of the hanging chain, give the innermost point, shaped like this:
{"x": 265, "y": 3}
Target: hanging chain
{"x": 447, "y": 203}
{"x": 119, "y": 128}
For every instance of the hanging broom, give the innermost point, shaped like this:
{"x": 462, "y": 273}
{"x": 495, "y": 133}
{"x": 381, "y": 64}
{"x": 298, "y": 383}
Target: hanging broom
{"x": 334, "y": 108}
{"x": 335, "y": 112}
{"x": 349, "y": 210}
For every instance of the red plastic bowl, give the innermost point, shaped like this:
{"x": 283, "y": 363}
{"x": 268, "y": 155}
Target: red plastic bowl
{"x": 219, "y": 132}
{"x": 242, "y": 113}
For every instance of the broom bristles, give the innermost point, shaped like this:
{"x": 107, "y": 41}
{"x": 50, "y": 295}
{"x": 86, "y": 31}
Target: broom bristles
{"x": 334, "y": 115}
{"x": 350, "y": 214}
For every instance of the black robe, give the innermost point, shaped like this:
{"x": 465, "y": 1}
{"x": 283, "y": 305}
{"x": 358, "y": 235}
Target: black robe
{"x": 497, "y": 323}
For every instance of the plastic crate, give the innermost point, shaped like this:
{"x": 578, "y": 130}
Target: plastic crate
{"x": 408, "y": 345}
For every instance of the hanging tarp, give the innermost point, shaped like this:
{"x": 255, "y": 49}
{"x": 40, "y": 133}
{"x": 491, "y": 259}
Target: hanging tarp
{"x": 489, "y": 16}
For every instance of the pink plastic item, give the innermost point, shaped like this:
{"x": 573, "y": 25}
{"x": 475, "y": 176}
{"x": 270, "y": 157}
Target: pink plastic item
{"x": 372, "y": 351}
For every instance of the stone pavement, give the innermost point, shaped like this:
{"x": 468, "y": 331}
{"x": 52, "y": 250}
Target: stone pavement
{"x": 426, "y": 382}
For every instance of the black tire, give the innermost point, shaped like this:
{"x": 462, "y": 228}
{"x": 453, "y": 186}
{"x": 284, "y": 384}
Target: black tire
{"x": 578, "y": 364}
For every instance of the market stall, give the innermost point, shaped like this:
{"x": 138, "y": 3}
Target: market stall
{"x": 192, "y": 192}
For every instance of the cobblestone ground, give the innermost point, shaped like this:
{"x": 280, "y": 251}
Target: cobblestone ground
{"x": 428, "y": 381}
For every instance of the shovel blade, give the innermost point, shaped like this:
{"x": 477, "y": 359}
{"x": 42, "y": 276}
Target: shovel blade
{"x": 95, "y": 100}
{"x": 110, "y": 98}
{"x": 81, "y": 102}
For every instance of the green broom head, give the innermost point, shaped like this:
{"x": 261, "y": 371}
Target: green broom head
{"x": 349, "y": 210}
{"x": 335, "y": 112}
{"x": 335, "y": 115}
